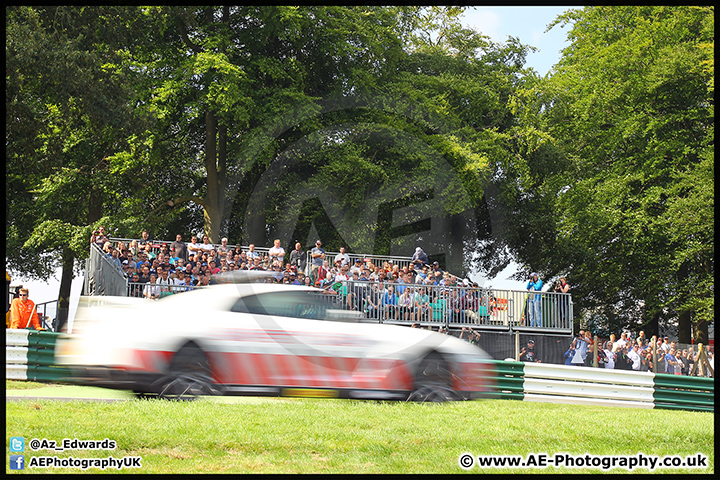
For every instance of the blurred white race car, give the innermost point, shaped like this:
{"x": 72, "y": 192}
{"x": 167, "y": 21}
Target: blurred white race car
{"x": 263, "y": 339}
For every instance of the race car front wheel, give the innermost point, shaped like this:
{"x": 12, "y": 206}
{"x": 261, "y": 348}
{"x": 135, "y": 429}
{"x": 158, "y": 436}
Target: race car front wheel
{"x": 433, "y": 381}
{"x": 188, "y": 377}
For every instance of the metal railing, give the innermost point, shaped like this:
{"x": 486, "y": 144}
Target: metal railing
{"x": 433, "y": 305}
{"x": 156, "y": 245}
{"x": 45, "y": 320}
{"x": 459, "y": 306}
{"x": 140, "y": 289}
{"x": 377, "y": 260}
{"x": 102, "y": 276}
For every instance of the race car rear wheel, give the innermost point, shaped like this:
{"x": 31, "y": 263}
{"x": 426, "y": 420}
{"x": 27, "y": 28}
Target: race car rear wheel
{"x": 188, "y": 377}
{"x": 433, "y": 381}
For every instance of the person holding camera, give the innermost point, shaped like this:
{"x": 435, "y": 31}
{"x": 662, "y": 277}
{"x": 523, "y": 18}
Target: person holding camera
{"x": 580, "y": 343}
{"x": 534, "y": 314}
{"x": 528, "y": 354}
{"x": 562, "y": 300}
{"x": 99, "y": 238}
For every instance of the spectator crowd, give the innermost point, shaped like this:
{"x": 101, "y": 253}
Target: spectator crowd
{"x": 381, "y": 289}
{"x": 630, "y": 352}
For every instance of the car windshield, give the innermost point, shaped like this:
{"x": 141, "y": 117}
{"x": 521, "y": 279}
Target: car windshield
{"x": 284, "y": 304}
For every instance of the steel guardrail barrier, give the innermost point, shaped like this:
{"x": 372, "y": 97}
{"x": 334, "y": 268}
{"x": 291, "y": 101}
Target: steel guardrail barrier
{"x": 30, "y": 355}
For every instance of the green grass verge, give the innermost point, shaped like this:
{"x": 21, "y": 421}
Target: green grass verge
{"x": 23, "y": 385}
{"x": 340, "y": 436}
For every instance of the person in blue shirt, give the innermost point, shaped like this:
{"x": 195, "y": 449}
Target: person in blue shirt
{"x": 569, "y": 354}
{"x": 389, "y": 304}
{"x": 534, "y": 312}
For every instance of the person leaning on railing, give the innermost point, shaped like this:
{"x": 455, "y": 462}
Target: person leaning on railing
{"x": 23, "y": 312}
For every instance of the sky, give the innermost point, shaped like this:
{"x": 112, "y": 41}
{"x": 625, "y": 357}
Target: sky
{"x": 526, "y": 23}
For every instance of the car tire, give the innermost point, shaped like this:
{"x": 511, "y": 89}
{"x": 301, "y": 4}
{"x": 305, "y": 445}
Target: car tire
{"x": 189, "y": 376}
{"x": 433, "y": 381}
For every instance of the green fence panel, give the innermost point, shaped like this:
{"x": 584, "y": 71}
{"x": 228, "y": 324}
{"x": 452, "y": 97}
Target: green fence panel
{"x": 695, "y": 408}
{"x": 40, "y": 357}
{"x": 683, "y": 392}
{"x": 684, "y": 381}
{"x": 43, "y": 339}
{"x": 47, "y": 373}
{"x": 509, "y": 380}
{"x": 670, "y": 395}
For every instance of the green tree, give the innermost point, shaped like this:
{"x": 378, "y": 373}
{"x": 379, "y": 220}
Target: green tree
{"x": 630, "y": 111}
{"x": 67, "y": 118}
{"x": 438, "y": 117}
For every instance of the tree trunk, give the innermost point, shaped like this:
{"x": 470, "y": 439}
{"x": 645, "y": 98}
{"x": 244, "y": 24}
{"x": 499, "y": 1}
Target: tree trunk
{"x": 684, "y": 316}
{"x": 214, "y": 198}
{"x": 701, "y": 332}
{"x": 63, "y": 308}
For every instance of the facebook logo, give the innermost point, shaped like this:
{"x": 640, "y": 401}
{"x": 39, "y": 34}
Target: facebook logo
{"x": 17, "y": 444}
{"x": 17, "y": 462}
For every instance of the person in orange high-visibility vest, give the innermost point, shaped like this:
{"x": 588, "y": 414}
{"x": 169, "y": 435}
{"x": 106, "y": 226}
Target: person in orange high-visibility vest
{"x": 22, "y": 312}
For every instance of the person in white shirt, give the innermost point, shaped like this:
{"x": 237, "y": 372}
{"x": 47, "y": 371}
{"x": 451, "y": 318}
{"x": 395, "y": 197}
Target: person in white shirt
{"x": 179, "y": 281}
{"x": 164, "y": 281}
{"x": 194, "y": 247}
{"x": 206, "y": 245}
{"x": 620, "y": 343}
{"x": 276, "y": 252}
{"x": 152, "y": 289}
{"x": 342, "y": 275}
{"x": 609, "y": 356}
{"x": 357, "y": 267}
{"x": 343, "y": 257}
{"x": 635, "y": 357}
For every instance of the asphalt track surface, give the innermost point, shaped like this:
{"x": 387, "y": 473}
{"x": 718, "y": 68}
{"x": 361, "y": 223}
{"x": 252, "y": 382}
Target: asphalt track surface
{"x": 96, "y": 394}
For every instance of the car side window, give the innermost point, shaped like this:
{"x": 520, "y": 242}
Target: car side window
{"x": 241, "y": 306}
{"x": 283, "y": 304}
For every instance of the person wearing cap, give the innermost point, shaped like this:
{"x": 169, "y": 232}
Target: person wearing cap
{"x": 528, "y": 353}
{"x": 357, "y": 267}
{"x": 178, "y": 282}
{"x": 534, "y": 312}
{"x": 317, "y": 256}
